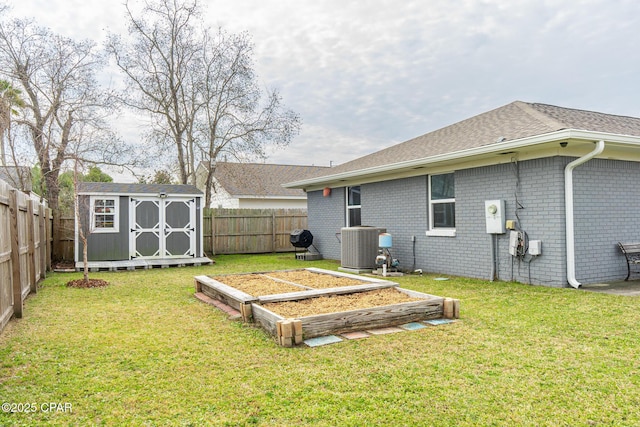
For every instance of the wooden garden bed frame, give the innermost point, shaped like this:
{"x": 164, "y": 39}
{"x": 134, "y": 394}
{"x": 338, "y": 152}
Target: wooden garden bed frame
{"x": 289, "y": 332}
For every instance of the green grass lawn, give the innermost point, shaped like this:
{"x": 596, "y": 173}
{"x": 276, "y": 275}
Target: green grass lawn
{"x": 144, "y": 351}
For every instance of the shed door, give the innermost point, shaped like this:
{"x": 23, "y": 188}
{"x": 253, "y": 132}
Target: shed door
{"x": 162, "y": 228}
{"x": 179, "y": 227}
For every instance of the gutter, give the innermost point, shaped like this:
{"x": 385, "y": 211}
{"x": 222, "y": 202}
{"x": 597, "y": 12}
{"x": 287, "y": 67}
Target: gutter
{"x": 568, "y": 206}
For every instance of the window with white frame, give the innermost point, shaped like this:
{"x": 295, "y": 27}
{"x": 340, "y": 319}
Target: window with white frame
{"x": 442, "y": 205}
{"x": 353, "y": 206}
{"x": 105, "y": 214}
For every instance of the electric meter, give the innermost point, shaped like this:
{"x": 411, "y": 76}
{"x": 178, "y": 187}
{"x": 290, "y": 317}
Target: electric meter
{"x": 494, "y": 215}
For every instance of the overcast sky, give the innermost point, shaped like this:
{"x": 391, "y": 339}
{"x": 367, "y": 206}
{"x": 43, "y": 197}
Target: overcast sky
{"x": 368, "y": 74}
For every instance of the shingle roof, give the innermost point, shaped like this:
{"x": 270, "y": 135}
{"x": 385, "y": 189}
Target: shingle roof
{"x": 120, "y": 188}
{"x": 262, "y": 179}
{"x": 510, "y": 122}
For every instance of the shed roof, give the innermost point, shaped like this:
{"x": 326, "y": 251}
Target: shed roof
{"x": 123, "y": 188}
{"x": 515, "y": 121}
{"x": 262, "y": 179}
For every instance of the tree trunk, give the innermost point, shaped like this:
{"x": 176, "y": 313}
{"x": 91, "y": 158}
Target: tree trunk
{"x": 52, "y": 198}
{"x": 85, "y": 253}
{"x": 3, "y": 155}
{"x": 207, "y": 192}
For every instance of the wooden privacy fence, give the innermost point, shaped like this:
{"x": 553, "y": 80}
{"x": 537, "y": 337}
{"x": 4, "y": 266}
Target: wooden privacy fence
{"x": 25, "y": 255}
{"x": 63, "y": 245}
{"x": 245, "y": 231}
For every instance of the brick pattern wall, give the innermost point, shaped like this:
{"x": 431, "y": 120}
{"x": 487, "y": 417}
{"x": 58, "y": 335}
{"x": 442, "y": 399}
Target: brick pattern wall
{"x": 326, "y": 216}
{"x": 607, "y": 201}
{"x": 400, "y": 206}
{"x": 538, "y": 186}
{"x": 607, "y": 205}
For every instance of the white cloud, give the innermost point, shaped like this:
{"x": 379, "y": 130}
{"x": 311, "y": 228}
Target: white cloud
{"x": 365, "y": 75}
{"x": 320, "y": 146}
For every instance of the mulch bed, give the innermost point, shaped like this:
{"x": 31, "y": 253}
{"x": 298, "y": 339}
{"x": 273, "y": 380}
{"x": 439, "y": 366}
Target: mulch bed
{"x": 91, "y": 283}
{"x": 337, "y": 303}
{"x": 259, "y": 284}
{"x": 315, "y": 280}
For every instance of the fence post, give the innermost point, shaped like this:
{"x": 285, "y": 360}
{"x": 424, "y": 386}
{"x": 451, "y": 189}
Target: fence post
{"x": 213, "y": 233}
{"x": 15, "y": 254}
{"x": 49, "y": 242}
{"x": 43, "y": 241}
{"x": 274, "y": 243}
{"x": 31, "y": 258}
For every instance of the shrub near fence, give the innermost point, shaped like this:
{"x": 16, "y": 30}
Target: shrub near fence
{"x": 243, "y": 231}
{"x": 25, "y": 234}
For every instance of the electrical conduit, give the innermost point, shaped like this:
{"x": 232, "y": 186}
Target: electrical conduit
{"x": 494, "y": 257}
{"x": 568, "y": 206}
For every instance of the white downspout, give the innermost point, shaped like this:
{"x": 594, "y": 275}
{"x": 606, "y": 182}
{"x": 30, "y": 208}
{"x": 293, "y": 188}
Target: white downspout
{"x": 568, "y": 206}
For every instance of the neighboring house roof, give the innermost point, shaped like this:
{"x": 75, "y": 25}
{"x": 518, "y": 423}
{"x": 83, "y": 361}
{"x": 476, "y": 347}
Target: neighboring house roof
{"x": 262, "y": 179}
{"x": 118, "y": 188}
{"x": 17, "y": 176}
{"x": 514, "y": 125}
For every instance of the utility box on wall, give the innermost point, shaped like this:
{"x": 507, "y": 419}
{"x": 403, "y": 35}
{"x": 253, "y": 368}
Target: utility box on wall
{"x": 494, "y": 214}
{"x": 535, "y": 247}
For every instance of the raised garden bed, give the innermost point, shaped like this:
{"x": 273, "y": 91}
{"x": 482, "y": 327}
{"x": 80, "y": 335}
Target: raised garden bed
{"x": 279, "y": 282}
{"x": 336, "y": 303}
{"x": 300, "y": 304}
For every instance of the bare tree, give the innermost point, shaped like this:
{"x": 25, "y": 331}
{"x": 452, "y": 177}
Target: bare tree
{"x": 156, "y": 64}
{"x": 65, "y": 110}
{"x": 83, "y": 219}
{"x": 79, "y": 222}
{"x": 198, "y": 87}
{"x": 236, "y": 120}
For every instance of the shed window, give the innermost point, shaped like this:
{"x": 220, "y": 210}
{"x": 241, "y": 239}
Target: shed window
{"x": 353, "y": 206}
{"x": 104, "y": 214}
{"x": 442, "y": 205}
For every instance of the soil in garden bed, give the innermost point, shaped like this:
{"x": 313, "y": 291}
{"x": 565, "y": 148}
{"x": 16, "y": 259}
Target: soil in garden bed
{"x": 258, "y": 284}
{"x": 315, "y": 280}
{"x": 337, "y": 303}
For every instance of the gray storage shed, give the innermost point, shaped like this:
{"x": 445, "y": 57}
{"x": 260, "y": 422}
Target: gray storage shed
{"x": 139, "y": 225}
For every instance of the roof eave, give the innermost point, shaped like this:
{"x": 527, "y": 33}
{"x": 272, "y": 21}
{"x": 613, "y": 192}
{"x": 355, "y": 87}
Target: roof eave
{"x": 135, "y": 194}
{"x": 271, "y": 196}
{"x": 495, "y": 148}
{"x": 112, "y": 194}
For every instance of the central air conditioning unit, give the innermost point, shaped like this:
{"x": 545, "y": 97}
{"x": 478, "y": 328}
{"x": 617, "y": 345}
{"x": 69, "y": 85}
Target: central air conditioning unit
{"x": 360, "y": 247}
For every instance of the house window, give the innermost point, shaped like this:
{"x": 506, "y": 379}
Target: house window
{"x": 442, "y": 205}
{"x": 353, "y": 206}
{"x": 104, "y": 214}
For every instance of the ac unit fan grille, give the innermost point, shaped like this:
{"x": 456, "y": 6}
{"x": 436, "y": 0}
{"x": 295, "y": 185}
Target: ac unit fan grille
{"x": 360, "y": 247}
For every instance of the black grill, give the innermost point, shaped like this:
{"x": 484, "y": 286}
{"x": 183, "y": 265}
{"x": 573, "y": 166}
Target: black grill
{"x": 301, "y": 238}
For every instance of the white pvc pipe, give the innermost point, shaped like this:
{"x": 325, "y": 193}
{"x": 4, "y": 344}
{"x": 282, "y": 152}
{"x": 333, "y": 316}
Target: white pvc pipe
{"x": 568, "y": 206}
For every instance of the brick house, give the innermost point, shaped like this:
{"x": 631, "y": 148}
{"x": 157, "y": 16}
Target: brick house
{"x": 565, "y": 180}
